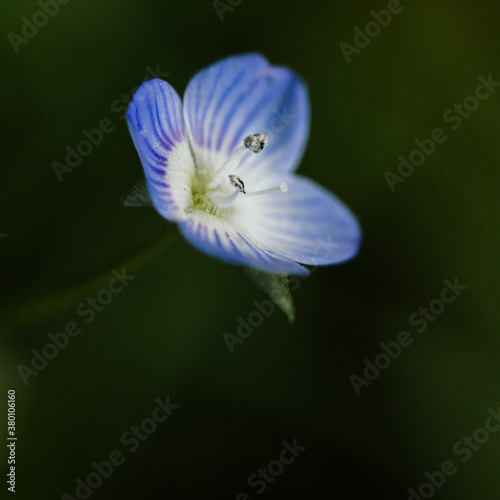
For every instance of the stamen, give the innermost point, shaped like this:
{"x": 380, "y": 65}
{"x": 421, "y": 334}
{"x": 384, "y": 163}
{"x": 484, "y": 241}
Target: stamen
{"x": 234, "y": 160}
{"x": 221, "y": 200}
{"x": 282, "y": 187}
{"x": 230, "y": 165}
{"x": 237, "y": 183}
{"x": 254, "y": 142}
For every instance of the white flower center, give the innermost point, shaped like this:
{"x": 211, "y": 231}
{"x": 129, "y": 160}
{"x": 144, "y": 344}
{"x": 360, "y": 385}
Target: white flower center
{"x": 217, "y": 187}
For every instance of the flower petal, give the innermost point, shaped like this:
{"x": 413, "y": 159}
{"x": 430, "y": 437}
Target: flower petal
{"x": 243, "y": 95}
{"x": 223, "y": 240}
{"x": 307, "y": 224}
{"x": 155, "y": 121}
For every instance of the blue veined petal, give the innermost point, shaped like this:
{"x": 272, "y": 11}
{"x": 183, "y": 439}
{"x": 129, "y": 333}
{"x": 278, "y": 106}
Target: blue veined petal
{"x": 307, "y": 224}
{"x": 156, "y": 123}
{"x": 225, "y": 241}
{"x": 243, "y": 95}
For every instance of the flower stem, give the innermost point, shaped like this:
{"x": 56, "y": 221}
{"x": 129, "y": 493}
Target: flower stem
{"x": 27, "y": 311}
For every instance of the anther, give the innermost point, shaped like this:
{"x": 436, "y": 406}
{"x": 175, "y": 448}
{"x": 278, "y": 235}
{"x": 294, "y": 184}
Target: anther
{"x": 255, "y": 142}
{"x": 237, "y": 183}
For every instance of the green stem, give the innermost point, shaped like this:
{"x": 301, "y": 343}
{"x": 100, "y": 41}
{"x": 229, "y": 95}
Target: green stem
{"x": 25, "y": 312}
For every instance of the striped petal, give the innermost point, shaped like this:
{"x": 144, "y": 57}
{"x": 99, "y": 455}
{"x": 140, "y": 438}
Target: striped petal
{"x": 156, "y": 123}
{"x": 307, "y": 224}
{"x": 243, "y": 95}
{"x": 222, "y": 239}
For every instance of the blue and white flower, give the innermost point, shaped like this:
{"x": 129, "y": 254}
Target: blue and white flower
{"x": 221, "y": 164}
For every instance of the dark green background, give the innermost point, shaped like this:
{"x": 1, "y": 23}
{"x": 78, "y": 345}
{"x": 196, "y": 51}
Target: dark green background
{"x": 163, "y": 334}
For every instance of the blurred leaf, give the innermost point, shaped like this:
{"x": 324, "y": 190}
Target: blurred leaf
{"x": 273, "y": 286}
{"x": 138, "y": 196}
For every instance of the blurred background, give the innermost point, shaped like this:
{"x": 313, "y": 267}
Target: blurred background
{"x": 162, "y": 336}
